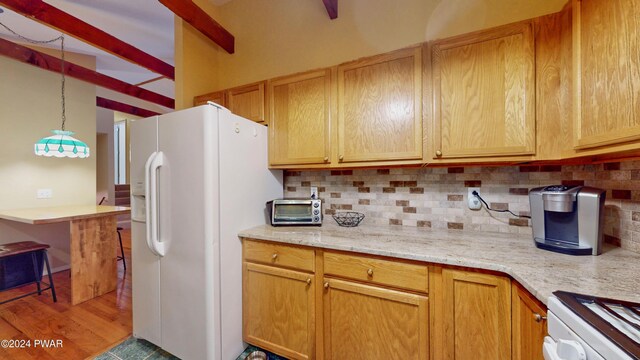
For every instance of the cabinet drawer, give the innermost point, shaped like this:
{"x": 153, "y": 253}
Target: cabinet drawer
{"x": 378, "y": 271}
{"x": 279, "y": 255}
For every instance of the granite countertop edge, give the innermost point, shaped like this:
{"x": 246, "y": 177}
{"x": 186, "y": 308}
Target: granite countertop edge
{"x": 613, "y": 274}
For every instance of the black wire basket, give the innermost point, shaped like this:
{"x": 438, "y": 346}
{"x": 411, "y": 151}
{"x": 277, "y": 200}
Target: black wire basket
{"x": 348, "y": 219}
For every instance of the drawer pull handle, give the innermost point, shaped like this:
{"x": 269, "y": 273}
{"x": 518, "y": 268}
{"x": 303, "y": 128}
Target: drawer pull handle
{"x": 341, "y": 157}
{"x": 326, "y": 159}
{"x": 326, "y": 285}
{"x": 438, "y": 153}
{"x": 274, "y": 256}
{"x": 309, "y": 281}
{"x": 539, "y": 318}
{"x": 370, "y": 272}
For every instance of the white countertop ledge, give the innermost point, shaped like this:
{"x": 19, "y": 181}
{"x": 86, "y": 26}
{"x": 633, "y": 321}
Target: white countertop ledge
{"x": 614, "y": 274}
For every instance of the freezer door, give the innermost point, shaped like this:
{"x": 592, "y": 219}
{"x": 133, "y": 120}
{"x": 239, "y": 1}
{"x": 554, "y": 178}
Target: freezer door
{"x": 145, "y": 265}
{"x": 246, "y": 184}
{"x": 188, "y": 216}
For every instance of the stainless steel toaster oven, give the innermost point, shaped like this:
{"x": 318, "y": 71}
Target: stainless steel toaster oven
{"x": 295, "y": 211}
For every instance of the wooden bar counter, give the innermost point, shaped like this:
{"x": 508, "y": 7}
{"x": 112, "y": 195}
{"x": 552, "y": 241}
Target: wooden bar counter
{"x": 93, "y": 243}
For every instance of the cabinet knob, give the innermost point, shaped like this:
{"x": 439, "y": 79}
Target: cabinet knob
{"x": 539, "y": 318}
{"x": 274, "y": 256}
{"x": 341, "y": 157}
{"x": 326, "y": 285}
{"x": 438, "y": 153}
{"x": 326, "y": 159}
{"x": 309, "y": 281}
{"x": 370, "y": 272}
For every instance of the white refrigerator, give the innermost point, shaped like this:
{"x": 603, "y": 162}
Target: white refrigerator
{"x": 198, "y": 177}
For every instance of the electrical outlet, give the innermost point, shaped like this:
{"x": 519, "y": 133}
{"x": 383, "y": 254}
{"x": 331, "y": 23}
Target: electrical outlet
{"x": 472, "y": 200}
{"x": 314, "y": 192}
{"x": 44, "y": 194}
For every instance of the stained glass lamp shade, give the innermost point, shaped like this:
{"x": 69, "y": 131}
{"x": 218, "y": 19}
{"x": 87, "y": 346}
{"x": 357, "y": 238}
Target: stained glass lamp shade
{"x": 61, "y": 144}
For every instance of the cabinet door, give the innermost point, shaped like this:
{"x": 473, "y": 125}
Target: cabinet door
{"x": 606, "y": 72}
{"x": 300, "y": 115}
{"x": 216, "y": 97}
{"x": 380, "y": 107}
{"x": 278, "y": 310}
{"x": 476, "y": 315}
{"x": 484, "y": 93}
{"x": 248, "y": 101}
{"x": 529, "y": 325}
{"x": 367, "y": 322}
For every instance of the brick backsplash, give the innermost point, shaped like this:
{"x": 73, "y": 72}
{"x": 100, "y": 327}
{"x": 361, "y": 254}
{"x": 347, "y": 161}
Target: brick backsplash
{"x": 437, "y": 197}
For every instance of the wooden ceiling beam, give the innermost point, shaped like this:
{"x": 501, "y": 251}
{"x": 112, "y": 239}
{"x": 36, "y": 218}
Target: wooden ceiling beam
{"x": 199, "y": 19}
{"x": 122, "y": 107}
{"x": 332, "y": 8}
{"x": 51, "y": 16}
{"x": 51, "y": 63}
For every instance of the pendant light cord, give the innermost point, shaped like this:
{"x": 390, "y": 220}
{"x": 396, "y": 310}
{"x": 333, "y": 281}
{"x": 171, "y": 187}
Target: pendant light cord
{"x": 62, "y": 63}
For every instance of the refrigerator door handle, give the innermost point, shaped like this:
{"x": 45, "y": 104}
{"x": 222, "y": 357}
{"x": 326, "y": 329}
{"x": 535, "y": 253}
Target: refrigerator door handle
{"x": 155, "y": 161}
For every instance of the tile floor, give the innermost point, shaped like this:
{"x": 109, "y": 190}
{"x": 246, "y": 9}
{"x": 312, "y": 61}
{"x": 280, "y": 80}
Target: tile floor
{"x": 137, "y": 349}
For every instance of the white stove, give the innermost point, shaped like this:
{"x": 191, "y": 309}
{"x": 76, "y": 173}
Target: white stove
{"x": 584, "y": 327}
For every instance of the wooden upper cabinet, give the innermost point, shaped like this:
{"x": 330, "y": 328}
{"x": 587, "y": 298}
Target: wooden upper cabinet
{"x": 476, "y": 312}
{"x": 529, "y": 324}
{"x": 380, "y": 107}
{"x": 300, "y": 118}
{"x": 216, "y": 97}
{"x": 484, "y": 93}
{"x": 606, "y": 72}
{"x": 248, "y": 101}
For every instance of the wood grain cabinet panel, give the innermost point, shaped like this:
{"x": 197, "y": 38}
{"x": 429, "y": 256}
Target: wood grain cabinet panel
{"x": 367, "y": 322}
{"x": 484, "y": 93}
{"x": 248, "y": 101}
{"x": 300, "y": 118}
{"x": 279, "y": 310}
{"x": 279, "y": 255}
{"x": 394, "y": 273}
{"x": 216, "y": 97}
{"x": 606, "y": 72}
{"x": 380, "y": 107}
{"x": 476, "y": 315}
{"x": 529, "y": 324}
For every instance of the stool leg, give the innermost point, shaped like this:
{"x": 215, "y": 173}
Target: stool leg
{"x": 124, "y": 261}
{"x": 53, "y": 288}
{"x": 34, "y": 260}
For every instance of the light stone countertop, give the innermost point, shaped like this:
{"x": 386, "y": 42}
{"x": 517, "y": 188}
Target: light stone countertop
{"x": 614, "y": 274}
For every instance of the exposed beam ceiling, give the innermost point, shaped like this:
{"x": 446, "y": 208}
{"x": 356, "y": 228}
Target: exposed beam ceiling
{"x": 51, "y": 63}
{"x": 332, "y": 8}
{"x": 52, "y": 16}
{"x": 122, "y": 107}
{"x": 200, "y": 20}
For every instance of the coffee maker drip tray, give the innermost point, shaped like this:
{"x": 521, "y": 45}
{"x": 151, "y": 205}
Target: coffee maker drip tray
{"x": 564, "y": 247}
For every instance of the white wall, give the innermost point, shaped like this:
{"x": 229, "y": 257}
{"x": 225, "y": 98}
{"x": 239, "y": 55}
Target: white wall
{"x": 105, "y": 164}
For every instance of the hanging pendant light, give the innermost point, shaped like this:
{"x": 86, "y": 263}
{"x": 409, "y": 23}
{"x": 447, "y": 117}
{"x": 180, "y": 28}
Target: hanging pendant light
{"x": 61, "y": 144}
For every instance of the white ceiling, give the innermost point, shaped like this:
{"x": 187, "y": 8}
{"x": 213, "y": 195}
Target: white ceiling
{"x": 145, "y": 24}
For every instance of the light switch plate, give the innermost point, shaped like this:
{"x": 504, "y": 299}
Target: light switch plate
{"x": 314, "y": 192}
{"x": 44, "y": 194}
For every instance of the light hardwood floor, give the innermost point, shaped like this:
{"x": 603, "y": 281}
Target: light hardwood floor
{"x": 86, "y": 330}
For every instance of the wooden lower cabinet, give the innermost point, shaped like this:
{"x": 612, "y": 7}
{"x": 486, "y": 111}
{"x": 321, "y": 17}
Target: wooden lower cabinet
{"x": 473, "y": 313}
{"x": 529, "y": 325}
{"x": 306, "y": 303}
{"x": 370, "y": 322}
{"x": 279, "y": 310}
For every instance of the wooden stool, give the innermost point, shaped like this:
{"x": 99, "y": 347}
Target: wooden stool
{"x": 21, "y": 264}
{"x": 124, "y": 262}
